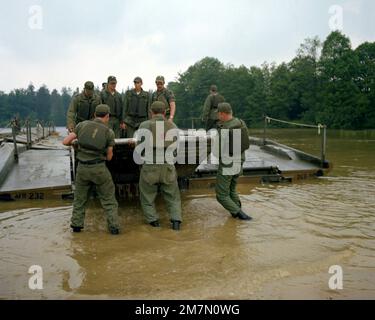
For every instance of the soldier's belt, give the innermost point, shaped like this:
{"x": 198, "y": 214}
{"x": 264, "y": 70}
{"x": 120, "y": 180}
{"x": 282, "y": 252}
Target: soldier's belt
{"x": 91, "y": 162}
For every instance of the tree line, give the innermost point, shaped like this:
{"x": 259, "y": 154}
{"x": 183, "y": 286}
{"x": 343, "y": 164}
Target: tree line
{"x": 327, "y": 82}
{"x": 33, "y": 104}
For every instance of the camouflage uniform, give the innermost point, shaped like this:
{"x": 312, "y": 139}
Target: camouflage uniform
{"x": 114, "y": 101}
{"x": 94, "y": 138}
{"x": 209, "y": 116}
{"x": 136, "y": 110}
{"x": 165, "y": 96}
{"x": 163, "y": 175}
{"x": 81, "y": 108}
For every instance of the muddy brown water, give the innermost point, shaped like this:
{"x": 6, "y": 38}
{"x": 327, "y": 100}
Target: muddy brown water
{"x": 299, "y": 230}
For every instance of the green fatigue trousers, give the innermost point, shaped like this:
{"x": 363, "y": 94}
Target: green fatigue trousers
{"x": 226, "y": 193}
{"x": 164, "y": 175}
{"x": 98, "y": 175}
{"x": 114, "y": 124}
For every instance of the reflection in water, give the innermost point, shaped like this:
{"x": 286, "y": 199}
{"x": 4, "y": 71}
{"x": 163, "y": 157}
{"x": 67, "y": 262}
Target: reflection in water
{"x": 299, "y": 231}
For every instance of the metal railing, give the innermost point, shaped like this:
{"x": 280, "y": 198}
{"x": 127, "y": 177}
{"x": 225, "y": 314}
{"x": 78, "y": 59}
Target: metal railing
{"x": 40, "y": 125}
{"x": 195, "y": 123}
{"x": 322, "y": 130}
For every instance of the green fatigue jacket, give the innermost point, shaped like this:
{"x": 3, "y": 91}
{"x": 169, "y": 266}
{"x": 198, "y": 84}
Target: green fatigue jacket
{"x": 114, "y": 101}
{"x": 81, "y": 108}
{"x": 165, "y": 96}
{"x": 151, "y": 125}
{"x": 136, "y": 108}
{"x": 163, "y": 175}
{"x": 94, "y": 138}
{"x": 234, "y": 123}
{"x": 210, "y": 106}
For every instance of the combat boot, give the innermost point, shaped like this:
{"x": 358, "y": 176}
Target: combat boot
{"x": 76, "y": 229}
{"x": 242, "y": 216}
{"x": 176, "y": 225}
{"x": 155, "y": 224}
{"x": 114, "y": 230}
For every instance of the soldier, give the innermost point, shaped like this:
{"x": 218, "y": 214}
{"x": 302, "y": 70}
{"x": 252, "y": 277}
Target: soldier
{"x": 95, "y": 146}
{"x": 209, "y": 116}
{"x": 112, "y": 98}
{"x": 227, "y": 176}
{"x": 136, "y": 107}
{"x": 164, "y": 95}
{"x": 163, "y": 175}
{"x": 82, "y": 107}
{"x": 17, "y": 124}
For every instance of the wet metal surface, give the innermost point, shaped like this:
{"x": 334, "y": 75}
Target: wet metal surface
{"x": 40, "y": 168}
{"x": 299, "y": 231}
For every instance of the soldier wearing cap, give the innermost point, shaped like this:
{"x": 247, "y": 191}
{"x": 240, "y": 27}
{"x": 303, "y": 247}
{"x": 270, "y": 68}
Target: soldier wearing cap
{"x": 166, "y": 96}
{"x": 226, "y": 179}
{"x": 162, "y": 175}
{"x": 82, "y": 107}
{"x": 111, "y": 97}
{"x": 136, "y": 107}
{"x": 95, "y": 146}
{"x": 209, "y": 116}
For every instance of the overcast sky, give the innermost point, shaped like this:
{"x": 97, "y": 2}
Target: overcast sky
{"x": 84, "y": 40}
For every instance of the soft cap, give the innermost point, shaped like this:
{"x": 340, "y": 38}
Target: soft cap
{"x": 89, "y": 85}
{"x": 160, "y": 78}
{"x": 224, "y": 107}
{"x": 102, "y": 109}
{"x": 158, "y": 107}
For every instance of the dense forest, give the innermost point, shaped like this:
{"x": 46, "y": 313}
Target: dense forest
{"x": 327, "y": 82}
{"x": 34, "y": 104}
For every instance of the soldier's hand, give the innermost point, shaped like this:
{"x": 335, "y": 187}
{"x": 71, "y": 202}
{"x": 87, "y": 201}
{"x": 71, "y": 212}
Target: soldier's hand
{"x": 70, "y": 129}
{"x": 132, "y": 142}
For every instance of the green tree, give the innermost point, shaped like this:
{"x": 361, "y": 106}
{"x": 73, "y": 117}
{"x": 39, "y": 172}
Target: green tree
{"x": 192, "y": 87}
{"x": 57, "y": 109}
{"x": 365, "y": 80}
{"x": 256, "y": 99}
{"x": 341, "y": 104}
{"x": 281, "y": 96}
{"x": 304, "y": 81}
{"x": 43, "y": 100}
